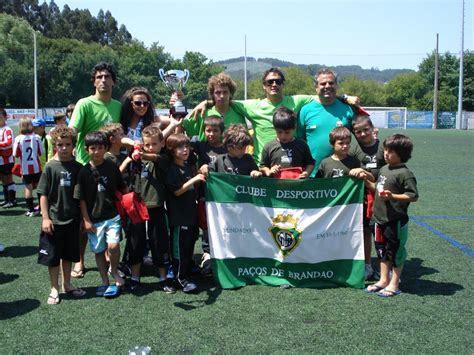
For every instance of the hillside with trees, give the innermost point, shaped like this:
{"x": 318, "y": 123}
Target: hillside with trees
{"x": 71, "y": 41}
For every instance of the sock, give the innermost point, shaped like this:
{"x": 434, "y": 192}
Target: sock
{"x": 29, "y": 204}
{"x": 5, "y": 193}
{"x": 12, "y": 192}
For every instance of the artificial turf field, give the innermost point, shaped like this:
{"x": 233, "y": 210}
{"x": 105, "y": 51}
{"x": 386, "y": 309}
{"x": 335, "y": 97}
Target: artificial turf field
{"x": 434, "y": 314}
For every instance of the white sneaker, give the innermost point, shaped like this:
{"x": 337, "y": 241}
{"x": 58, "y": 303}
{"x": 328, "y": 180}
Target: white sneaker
{"x": 369, "y": 271}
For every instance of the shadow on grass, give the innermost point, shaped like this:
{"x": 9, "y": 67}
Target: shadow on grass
{"x": 19, "y": 251}
{"x": 14, "y": 309}
{"x": 412, "y": 283}
{"x": 206, "y": 286}
{"x": 6, "y": 278}
{"x": 13, "y": 213}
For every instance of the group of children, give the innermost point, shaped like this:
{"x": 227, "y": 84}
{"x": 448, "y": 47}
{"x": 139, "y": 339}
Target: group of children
{"x": 169, "y": 176}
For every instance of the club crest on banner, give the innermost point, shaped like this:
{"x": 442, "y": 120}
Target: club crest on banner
{"x": 285, "y": 234}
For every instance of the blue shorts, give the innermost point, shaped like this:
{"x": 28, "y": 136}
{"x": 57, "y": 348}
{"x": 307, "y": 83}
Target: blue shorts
{"x": 108, "y": 232}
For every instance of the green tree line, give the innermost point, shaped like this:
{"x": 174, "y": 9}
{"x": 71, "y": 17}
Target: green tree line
{"x": 65, "y": 61}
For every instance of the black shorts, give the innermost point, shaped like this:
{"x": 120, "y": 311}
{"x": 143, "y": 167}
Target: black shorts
{"x": 62, "y": 244}
{"x": 32, "y": 179}
{"x": 156, "y": 231}
{"x": 390, "y": 241}
{"x": 6, "y": 169}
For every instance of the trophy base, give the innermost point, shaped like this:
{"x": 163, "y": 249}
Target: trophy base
{"x": 178, "y": 111}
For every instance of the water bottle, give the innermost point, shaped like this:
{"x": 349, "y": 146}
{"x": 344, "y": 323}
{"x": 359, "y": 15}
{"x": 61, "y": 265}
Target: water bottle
{"x": 139, "y": 350}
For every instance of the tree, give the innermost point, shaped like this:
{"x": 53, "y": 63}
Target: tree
{"x": 449, "y": 80}
{"x": 407, "y": 90}
{"x": 370, "y": 92}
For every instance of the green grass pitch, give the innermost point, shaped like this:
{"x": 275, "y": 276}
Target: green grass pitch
{"x": 434, "y": 314}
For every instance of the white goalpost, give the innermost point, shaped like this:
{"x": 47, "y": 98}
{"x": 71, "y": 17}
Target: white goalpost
{"x": 385, "y": 117}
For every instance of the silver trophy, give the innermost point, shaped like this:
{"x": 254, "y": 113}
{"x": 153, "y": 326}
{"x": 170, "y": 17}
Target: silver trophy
{"x": 175, "y": 80}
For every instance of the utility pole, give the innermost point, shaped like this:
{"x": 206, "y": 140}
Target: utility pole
{"x": 245, "y": 67}
{"x": 459, "y": 123}
{"x": 35, "y": 74}
{"x": 435, "y": 94}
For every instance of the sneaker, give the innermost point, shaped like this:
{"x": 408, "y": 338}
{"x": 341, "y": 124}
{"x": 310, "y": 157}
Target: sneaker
{"x": 187, "y": 286}
{"x": 2, "y": 248}
{"x": 369, "y": 271}
{"x": 3, "y": 203}
{"x": 167, "y": 287}
{"x": 124, "y": 270}
{"x": 10, "y": 204}
{"x": 170, "y": 273}
{"x": 32, "y": 213}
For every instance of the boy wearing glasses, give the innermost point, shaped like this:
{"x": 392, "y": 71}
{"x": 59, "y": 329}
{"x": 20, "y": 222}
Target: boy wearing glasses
{"x": 98, "y": 181}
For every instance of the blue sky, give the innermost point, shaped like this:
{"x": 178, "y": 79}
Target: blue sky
{"x": 370, "y": 33}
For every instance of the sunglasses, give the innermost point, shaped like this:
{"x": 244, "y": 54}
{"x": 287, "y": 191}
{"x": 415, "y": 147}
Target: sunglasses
{"x": 141, "y": 103}
{"x": 270, "y": 82}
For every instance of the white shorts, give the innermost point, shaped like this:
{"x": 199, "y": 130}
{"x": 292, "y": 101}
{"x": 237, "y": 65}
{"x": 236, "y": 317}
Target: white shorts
{"x": 108, "y": 232}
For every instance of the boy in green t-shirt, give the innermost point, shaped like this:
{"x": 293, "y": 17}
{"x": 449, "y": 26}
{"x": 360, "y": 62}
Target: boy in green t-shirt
{"x": 395, "y": 189}
{"x": 59, "y": 238}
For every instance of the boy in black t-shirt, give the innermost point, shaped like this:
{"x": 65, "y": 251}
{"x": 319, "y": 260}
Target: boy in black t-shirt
{"x": 98, "y": 181}
{"x": 340, "y": 163}
{"x": 286, "y": 151}
{"x": 394, "y": 190}
{"x": 369, "y": 152}
{"x": 59, "y": 238}
{"x": 207, "y": 152}
{"x": 114, "y": 133}
{"x": 182, "y": 210}
{"x": 236, "y": 161}
{"x": 149, "y": 182}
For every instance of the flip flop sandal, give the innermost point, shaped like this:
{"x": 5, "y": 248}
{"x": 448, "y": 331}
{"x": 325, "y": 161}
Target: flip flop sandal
{"x": 53, "y": 300}
{"x": 76, "y": 292}
{"x": 77, "y": 274}
{"x": 374, "y": 289}
{"x": 101, "y": 290}
{"x": 390, "y": 293}
{"x": 112, "y": 291}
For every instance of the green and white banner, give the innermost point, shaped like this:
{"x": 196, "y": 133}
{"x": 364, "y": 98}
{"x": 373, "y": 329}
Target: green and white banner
{"x": 306, "y": 233}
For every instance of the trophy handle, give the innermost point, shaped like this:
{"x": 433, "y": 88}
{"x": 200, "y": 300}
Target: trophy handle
{"x": 186, "y": 74}
{"x": 162, "y": 74}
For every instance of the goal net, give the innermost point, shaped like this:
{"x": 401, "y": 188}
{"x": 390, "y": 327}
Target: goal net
{"x": 388, "y": 117}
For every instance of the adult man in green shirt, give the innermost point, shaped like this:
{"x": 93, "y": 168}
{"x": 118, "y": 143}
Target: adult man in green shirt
{"x": 90, "y": 114}
{"x": 93, "y": 112}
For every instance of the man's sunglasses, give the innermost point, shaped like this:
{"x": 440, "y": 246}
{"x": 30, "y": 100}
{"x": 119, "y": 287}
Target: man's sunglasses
{"x": 141, "y": 103}
{"x": 270, "y": 82}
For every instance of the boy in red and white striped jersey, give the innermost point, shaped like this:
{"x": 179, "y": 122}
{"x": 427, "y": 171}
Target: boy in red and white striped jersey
{"x": 7, "y": 160}
{"x": 27, "y": 146}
